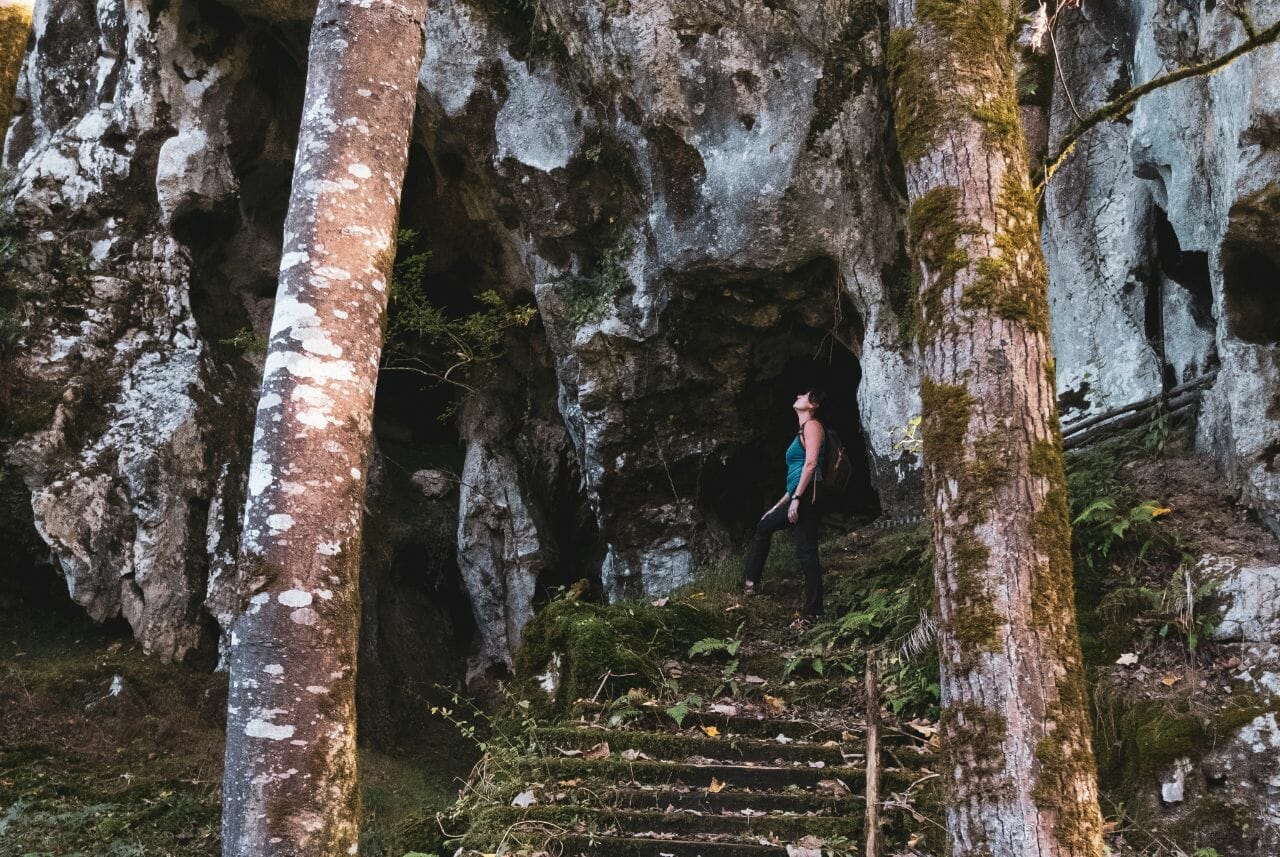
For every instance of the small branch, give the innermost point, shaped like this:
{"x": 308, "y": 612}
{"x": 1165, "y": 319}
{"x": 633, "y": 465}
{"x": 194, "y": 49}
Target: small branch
{"x": 1122, "y": 105}
{"x": 873, "y": 756}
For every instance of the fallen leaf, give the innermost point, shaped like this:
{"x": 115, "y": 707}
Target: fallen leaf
{"x": 1160, "y": 510}
{"x": 834, "y": 788}
{"x": 661, "y": 602}
{"x": 924, "y": 727}
{"x": 715, "y": 786}
{"x": 754, "y": 679}
{"x": 912, "y": 840}
{"x": 775, "y": 702}
{"x": 712, "y": 732}
{"x": 524, "y": 799}
{"x": 818, "y": 764}
{"x": 599, "y": 751}
{"x": 783, "y": 739}
{"x": 723, "y": 708}
{"x": 563, "y": 752}
{"x": 570, "y": 783}
{"x": 1170, "y": 680}
{"x": 848, "y": 736}
{"x": 1128, "y": 659}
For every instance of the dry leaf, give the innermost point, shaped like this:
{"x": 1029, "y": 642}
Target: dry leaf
{"x": 775, "y": 702}
{"x": 712, "y": 732}
{"x": 1128, "y": 659}
{"x": 599, "y": 751}
{"x": 570, "y": 783}
{"x": 723, "y": 708}
{"x": 1170, "y": 680}
{"x": 563, "y": 752}
{"x": 1161, "y": 510}
{"x": 715, "y": 786}
{"x": 848, "y": 736}
{"x": 661, "y": 602}
{"x": 924, "y": 727}
{"x": 634, "y": 755}
{"x": 912, "y": 840}
{"x": 783, "y": 739}
{"x": 818, "y": 764}
{"x": 754, "y": 679}
{"x": 524, "y": 799}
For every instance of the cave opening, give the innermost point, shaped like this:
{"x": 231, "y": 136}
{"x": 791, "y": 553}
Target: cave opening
{"x": 1251, "y": 292}
{"x": 808, "y": 343}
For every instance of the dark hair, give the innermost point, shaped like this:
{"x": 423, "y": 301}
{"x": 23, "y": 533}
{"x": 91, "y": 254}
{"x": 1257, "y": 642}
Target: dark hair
{"x": 817, "y": 398}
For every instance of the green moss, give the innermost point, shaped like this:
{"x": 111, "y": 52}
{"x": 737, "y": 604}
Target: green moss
{"x": 945, "y": 409}
{"x": 973, "y": 743}
{"x": 934, "y": 230}
{"x": 626, "y": 642}
{"x": 975, "y": 626}
{"x": 1013, "y": 283}
{"x": 917, "y": 109}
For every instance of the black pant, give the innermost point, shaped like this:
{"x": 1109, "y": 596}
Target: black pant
{"x": 805, "y": 533}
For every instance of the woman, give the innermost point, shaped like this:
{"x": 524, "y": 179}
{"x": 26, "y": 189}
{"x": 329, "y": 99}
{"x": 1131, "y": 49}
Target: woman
{"x": 797, "y": 508}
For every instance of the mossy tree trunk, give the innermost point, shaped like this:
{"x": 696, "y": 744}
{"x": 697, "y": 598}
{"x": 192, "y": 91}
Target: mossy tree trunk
{"x": 15, "y": 27}
{"x": 290, "y": 786}
{"x": 1019, "y": 765}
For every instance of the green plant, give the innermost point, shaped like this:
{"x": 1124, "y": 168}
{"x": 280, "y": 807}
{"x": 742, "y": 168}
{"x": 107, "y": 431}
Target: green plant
{"x": 907, "y": 438}
{"x": 425, "y": 339}
{"x": 681, "y": 708}
{"x": 588, "y": 297}
{"x": 246, "y": 341}
{"x": 727, "y": 646}
{"x": 1173, "y": 609}
{"x": 1155, "y": 435}
{"x": 1101, "y": 525}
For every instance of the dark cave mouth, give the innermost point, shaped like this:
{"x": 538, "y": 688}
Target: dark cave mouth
{"x": 805, "y": 344}
{"x": 1251, "y": 293}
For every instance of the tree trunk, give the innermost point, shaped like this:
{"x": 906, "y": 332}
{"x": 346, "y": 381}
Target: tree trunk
{"x": 1018, "y": 762}
{"x": 15, "y": 26}
{"x": 290, "y": 786}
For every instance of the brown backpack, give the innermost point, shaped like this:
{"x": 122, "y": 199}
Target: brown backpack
{"x": 834, "y": 477}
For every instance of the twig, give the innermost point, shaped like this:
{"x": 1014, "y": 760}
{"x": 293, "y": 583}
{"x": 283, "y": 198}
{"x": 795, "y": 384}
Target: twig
{"x": 873, "y": 756}
{"x": 1121, "y": 106}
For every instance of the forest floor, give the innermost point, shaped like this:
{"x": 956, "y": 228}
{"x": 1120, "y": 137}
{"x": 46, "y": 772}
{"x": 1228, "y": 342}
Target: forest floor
{"x": 135, "y": 773}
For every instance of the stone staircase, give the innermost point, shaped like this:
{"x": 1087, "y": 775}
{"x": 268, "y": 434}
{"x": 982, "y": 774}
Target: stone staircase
{"x": 745, "y": 776}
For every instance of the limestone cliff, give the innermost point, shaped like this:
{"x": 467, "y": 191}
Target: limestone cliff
{"x": 701, "y": 201}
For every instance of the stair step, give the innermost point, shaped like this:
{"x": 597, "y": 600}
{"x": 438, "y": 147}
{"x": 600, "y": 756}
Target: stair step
{"x": 728, "y": 801}
{"x": 675, "y": 746}
{"x": 742, "y": 828}
{"x": 741, "y": 724}
{"x": 617, "y": 846}
{"x": 693, "y": 775}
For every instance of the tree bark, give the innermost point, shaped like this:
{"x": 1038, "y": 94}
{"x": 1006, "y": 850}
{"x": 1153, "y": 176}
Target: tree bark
{"x": 1018, "y": 763}
{"x": 15, "y": 27}
{"x": 290, "y": 785}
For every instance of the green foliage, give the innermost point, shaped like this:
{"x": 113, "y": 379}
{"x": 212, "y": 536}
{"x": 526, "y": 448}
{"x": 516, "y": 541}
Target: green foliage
{"x": 1100, "y": 525}
{"x": 605, "y": 650}
{"x": 680, "y": 710}
{"x": 589, "y": 297}
{"x": 246, "y": 341}
{"x": 1176, "y": 609}
{"x": 883, "y": 606}
{"x": 424, "y": 338}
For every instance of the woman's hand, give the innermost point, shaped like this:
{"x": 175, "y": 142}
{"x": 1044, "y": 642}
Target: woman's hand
{"x": 793, "y": 514}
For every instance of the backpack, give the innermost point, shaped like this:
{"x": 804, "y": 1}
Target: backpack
{"x": 835, "y": 476}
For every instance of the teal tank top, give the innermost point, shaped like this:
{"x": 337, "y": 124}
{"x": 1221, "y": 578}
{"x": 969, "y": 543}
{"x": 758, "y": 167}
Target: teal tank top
{"x": 795, "y": 461}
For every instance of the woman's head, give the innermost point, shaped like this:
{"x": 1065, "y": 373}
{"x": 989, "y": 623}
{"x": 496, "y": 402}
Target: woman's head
{"x": 811, "y": 400}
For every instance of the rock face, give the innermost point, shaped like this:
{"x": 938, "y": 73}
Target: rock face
{"x": 1161, "y": 232}
{"x": 701, "y": 203}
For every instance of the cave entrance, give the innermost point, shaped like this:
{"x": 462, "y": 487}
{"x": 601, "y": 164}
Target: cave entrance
{"x": 1251, "y": 292}
{"x": 803, "y": 348}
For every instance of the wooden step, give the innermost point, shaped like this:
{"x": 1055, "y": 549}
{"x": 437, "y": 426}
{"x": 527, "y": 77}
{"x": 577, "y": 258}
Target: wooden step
{"x": 684, "y": 824}
{"x": 657, "y": 720}
{"x": 734, "y": 800}
{"x": 677, "y": 746}
{"x": 692, "y": 775}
